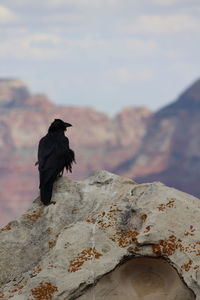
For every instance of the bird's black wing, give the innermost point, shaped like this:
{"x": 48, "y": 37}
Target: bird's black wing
{"x": 70, "y": 159}
{"x": 45, "y": 150}
{"x": 52, "y": 153}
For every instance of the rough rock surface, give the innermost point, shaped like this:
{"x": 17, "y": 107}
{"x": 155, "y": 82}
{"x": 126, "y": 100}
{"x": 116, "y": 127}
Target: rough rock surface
{"x": 94, "y": 226}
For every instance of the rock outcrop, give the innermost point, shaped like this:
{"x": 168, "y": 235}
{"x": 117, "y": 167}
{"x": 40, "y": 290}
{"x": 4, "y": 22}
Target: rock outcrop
{"x": 170, "y": 150}
{"x": 13, "y": 92}
{"x": 99, "y": 141}
{"x": 106, "y": 237}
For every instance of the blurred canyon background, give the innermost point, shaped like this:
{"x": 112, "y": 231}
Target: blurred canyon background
{"x": 125, "y": 73}
{"x": 137, "y": 143}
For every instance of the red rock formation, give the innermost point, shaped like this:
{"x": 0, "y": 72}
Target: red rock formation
{"x": 170, "y": 151}
{"x": 99, "y": 142}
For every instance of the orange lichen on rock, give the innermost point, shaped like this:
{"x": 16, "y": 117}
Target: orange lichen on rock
{"x": 196, "y": 267}
{"x": 190, "y": 232}
{"x": 85, "y": 255}
{"x": 74, "y": 211}
{"x": 169, "y": 204}
{"x": 44, "y": 291}
{"x": 125, "y": 239}
{"x": 37, "y": 269}
{"x": 2, "y": 296}
{"x": 51, "y": 265}
{"x": 18, "y": 288}
{"x": 115, "y": 210}
{"x": 109, "y": 218}
{"x": 136, "y": 248}
{"x": 92, "y": 220}
{"x": 187, "y": 266}
{"x": 148, "y": 228}
{"x": 51, "y": 243}
{"x": 66, "y": 245}
{"x": 33, "y": 217}
{"x": 157, "y": 249}
{"x": 143, "y": 217}
{"x": 168, "y": 247}
{"x": 193, "y": 248}
{"x": 105, "y": 219}
{"x": 5, "y": 228}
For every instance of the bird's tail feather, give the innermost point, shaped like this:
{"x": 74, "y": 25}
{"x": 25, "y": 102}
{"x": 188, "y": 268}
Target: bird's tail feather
{"x": 46, "y": 192}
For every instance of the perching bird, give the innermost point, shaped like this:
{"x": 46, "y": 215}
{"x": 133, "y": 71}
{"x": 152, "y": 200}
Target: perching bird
{"x": 54, "y": 155}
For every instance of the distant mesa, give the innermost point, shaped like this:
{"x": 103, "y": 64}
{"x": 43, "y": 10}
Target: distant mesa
{"x": 170, "y": 149}
{"x": 11, "y": 83}
{"x": 15, "y": 94}
{"x": 38, "y": 101}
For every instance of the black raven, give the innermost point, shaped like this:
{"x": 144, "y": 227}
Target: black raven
{"x": 54, "y": 155}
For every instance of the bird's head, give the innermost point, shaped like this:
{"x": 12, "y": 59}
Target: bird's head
{"x": 58, "y": 125}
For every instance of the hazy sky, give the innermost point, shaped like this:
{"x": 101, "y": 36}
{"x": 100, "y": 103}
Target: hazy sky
{"x": 102, "y": 53}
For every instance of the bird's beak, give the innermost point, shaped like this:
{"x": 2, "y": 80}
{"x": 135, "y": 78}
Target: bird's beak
{"x": 68, "y": 125}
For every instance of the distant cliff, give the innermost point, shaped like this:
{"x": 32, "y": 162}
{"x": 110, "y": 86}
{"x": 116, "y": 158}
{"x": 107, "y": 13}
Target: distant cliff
{"x": 170, "y": 151}
{"x": 98, "y": 140}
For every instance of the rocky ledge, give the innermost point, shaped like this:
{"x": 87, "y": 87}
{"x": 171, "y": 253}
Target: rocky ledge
{"x": 104, "y": 238}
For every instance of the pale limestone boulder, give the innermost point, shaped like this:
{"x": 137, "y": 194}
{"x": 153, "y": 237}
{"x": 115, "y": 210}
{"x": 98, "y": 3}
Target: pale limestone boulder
{"x": 104, "y": 238}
